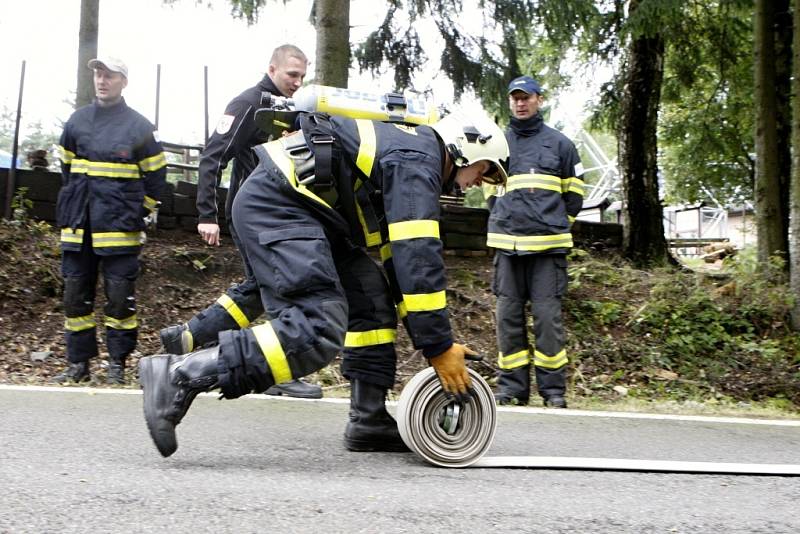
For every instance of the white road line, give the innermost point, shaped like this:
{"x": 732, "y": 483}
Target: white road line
{"x": 520, "y": 410}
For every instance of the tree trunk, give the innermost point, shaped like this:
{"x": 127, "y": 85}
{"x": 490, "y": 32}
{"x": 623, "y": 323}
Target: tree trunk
{"x": 332, "y": 22}
{"x": 87, "y": 49}
{"x": 794, "y": 261}
{"x": 783, "y": 126}
{"x": 643, "y": 238}
{"x": 769, "y": 216}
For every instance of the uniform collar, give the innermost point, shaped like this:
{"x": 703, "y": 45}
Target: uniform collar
{"x": 111, "y": 109}
{"x": 527, "y": 127}
{"x": 266, "y": 84}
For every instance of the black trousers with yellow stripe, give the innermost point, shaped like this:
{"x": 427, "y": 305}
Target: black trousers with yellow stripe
{"x": 321, "y": 294}
{"x": 239, "y": 306}
{"x": 540, "y": 279}
{"x": 80, "y": 271}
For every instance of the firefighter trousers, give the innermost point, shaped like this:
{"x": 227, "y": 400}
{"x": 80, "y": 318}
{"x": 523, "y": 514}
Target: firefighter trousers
{"x": 80, "y": 271}
{"x": 540, "y": 279}
{"x": 320, "y": 293}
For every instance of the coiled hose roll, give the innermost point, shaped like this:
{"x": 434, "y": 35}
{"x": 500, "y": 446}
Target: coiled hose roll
{"x": 443, "y": 431}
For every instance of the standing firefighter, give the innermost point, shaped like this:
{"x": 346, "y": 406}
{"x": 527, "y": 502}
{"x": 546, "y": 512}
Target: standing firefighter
{"x": 304, "y": 216}
{"x": 233, "y": 139}
{"x": 529, "y": 225}
{"x": 113, "y": 171}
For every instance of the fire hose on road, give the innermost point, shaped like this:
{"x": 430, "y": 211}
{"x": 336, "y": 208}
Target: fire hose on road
{"x": 446, "y": 433}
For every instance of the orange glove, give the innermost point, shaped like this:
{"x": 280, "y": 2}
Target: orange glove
{"x": 452, "y": 371}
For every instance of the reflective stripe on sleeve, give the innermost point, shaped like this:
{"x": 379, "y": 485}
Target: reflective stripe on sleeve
{"x": 422, "y": 302}
{"x": 65, "y": 155}
{"x": 153, "y": 163}
{"x": 273, "y": 352}
{"x": 413, "y": 229}
{"x": 68, "y": 235}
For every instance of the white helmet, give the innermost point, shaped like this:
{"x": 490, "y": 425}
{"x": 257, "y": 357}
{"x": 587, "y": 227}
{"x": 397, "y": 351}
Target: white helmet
{"x": 472, "y": 136}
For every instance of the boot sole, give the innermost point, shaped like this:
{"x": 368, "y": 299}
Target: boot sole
{"x": 359, "y": 445}
{"x": 152, "y": 372}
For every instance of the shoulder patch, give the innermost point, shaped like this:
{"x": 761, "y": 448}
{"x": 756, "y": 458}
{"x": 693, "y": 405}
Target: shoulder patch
{"x": 224, "y": 124}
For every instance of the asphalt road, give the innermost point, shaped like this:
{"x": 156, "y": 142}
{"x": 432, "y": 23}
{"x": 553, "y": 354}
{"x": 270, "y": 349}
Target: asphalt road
{"x": 83, "y": 462}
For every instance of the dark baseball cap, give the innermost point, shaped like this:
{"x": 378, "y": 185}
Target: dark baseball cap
{"x": 526, "y": 84}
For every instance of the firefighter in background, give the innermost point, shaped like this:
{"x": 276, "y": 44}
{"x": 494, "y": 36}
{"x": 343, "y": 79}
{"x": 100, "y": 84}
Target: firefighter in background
{"x": 233, "y": 139}
{"x": 529, "y": 226}
{"x": 304, "y": 216}
{"x": 113, "y": 170}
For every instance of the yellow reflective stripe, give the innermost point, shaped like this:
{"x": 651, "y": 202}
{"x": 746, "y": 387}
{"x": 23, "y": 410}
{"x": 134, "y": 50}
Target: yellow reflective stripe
{"x": 122, "y": 324}
{"x": 550, "y": 362}
{"x": 105, "y": 169}
{"x": 286, "y": 166}
{"x": 68, "y": 235}
{"x": 273, "y": 352}
{"x": 425, "y": 301}
{"x": 371, "y": 238}
{"x": 153, "y": 163}
{"x": 370, "y": 337}
{"x": 234, "y": 311}
{"x": 534, "y": 181}
{"x": 413, "y": 229}
{"x": 512, "y": 361}
{"x": 533, "y": 243}
{"x": 402, "y": 310}
{"x": 570, "y": 218}
{"x": 150, "y": 203}
{"x": 386, "y": 252}
{"x": 65, "y": 155}
{"x": 573, "y": 184}
{"x": 116, "y": 239}
{"x": 367, "y": 147}
{"x": 76, "y": 324}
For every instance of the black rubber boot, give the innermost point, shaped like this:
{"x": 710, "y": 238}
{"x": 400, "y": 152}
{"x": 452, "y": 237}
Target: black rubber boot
{"x": 176, "y": 339}
{"x": 555, "y": 401}
{"x": 116, "y": 371}
{"x": 296, "y": 388}
{"x": 170, "y": 384}
{"x": 74, "y": 373}
{"x": 514, "y": 386}
{"x": 371, "y": 428}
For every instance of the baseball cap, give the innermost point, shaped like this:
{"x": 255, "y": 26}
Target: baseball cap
{"x": 526, "y": 84}
{"x": 109, "y": 63}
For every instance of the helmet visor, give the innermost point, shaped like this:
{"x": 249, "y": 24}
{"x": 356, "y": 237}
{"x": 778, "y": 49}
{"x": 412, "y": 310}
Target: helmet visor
{"x": 496, "y": 175}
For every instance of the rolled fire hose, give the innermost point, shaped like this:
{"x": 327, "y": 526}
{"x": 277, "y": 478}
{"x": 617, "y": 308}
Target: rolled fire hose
{"x": 447, "y": 433}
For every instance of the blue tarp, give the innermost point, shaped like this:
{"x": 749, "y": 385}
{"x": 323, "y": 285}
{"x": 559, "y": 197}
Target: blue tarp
{"x": 5, "y": 160}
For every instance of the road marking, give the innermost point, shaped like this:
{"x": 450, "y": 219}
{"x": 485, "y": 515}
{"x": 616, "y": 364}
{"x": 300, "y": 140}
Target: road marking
{"x": 509, "y": 409}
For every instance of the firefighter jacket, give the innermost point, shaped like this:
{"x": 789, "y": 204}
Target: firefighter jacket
{"x": 113, "y": 173}
{"x": 395, "y": 184}
{"x": 234, "y": 137}
{"x": 544, "y": 193}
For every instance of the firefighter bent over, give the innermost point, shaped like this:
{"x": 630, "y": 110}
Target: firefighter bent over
{"x": 113, "y": 171}
{"x": 529, "y": 226}
{"x": 304, "y": 216}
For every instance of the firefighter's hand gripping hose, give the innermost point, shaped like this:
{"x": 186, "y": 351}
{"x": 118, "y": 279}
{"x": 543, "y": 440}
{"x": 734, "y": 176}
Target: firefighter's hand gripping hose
{"x": 442, "y": 430}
